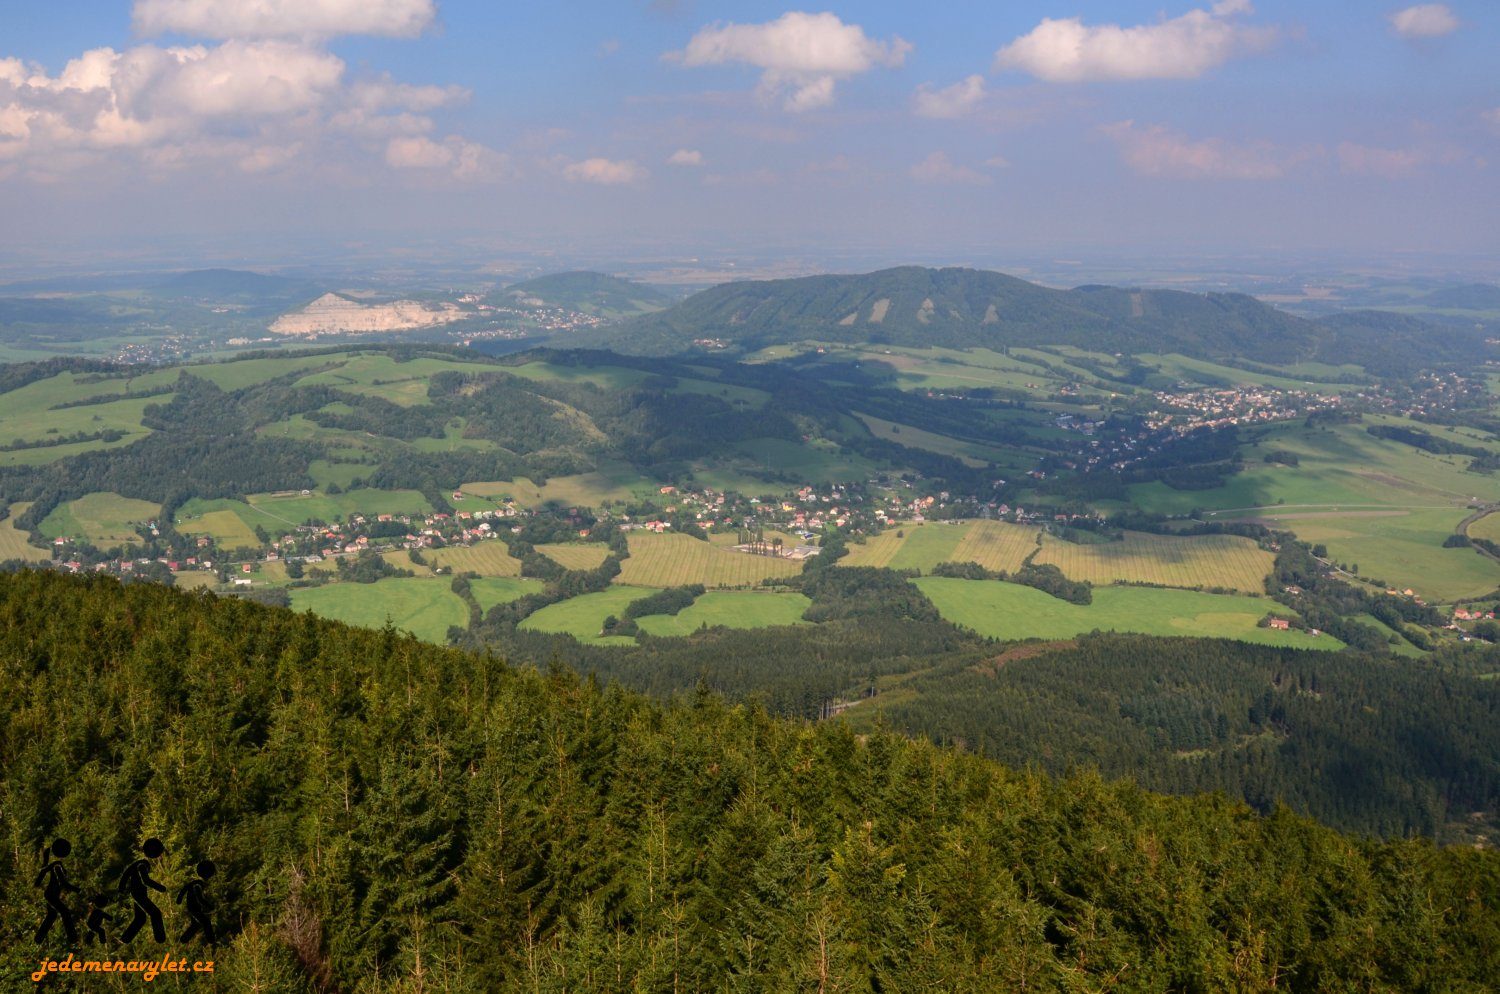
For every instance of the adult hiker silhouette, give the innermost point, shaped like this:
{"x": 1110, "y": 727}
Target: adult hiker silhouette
{"x": 192, "y": 897}
{"x": 135, "y": 881}
{"x": 57, "y": 882}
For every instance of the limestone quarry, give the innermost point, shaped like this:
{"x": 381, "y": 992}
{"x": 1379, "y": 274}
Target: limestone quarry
{"x": 334, "y": 314}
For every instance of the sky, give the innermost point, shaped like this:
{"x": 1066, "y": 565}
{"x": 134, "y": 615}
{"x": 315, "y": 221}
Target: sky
{"x": 639, "y": 127}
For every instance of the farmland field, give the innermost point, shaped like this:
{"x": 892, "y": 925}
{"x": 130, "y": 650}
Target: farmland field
{"x": 576, "y": 555}
{"x": 996, "y": 545}
{"x": 611, "y": 481}
{"x": 403, "y": 383}
{"x": 194, "y": 579}
{"x": 401, "y": 559}
{"x": 971, "y": 453}
{"x": 582, "y": 617}
{"x": 731, "y": 609}
{"x": 1011, "y": 611}
{"x": 295, "y": 509}
{"x": 490, "y": 558}
{"x": 491, "y": 590}
{"x": 424, "y": 607}
{"x": 13, "y": 543}
{"x": 103, "y": 519}
{"x": 1198, "y": 561}
{"x": 226, "y": 527}
{"x": 674, "y": 560}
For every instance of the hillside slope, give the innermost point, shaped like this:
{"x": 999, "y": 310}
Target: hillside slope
{"x": 965, "y": 308}
{"x": 593, "y": 293}
{"x": 389, "y": 816}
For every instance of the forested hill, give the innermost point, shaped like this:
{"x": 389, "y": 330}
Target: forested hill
{"x": 594, "y": 293}
{"x": 388, "y": 815}
{"x": 964, "y": 308}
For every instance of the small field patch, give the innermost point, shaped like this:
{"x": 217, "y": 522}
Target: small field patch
{"x": 13, "y": 541}
{"x": 582, "y": 617}
{"x": 491, "y": 590}
{"x": 103, "y": 519}
{"x": 424, "y": 607}
{"x": 1173, "y": 561}
{"x": 675, "y": 560}
{"x": 576, "y": 555}
{"x": 490, "y": 558}
{"x": 730, "y": 609}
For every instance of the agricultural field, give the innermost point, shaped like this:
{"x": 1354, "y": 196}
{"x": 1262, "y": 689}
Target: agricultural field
{"x": 1011, "y": 611}
{"x": 491, "y": 590}
{"x": 970, "y": 454}
{"x": 194, "y": 579}
{"x": 675, "y": 560}
{"x": 576, "y": 555}
{"x": 236, "y": 374}
{"x": 424, "y": 607}
{"x": 103, "y": 519}
{"x": 996, "y": 545}
{"x": 582, "y": 617}
{"x": 377, "y": 375}
{"x": 13, "y": 543}
{"x": 730, "y": 609}
{"x": 1198, "y": 561}
{"x": 1202, "y": 371}
{"x": 401, "y": 559}
{"x": 604, "y": 377}
{"x": 227, "y": 522}
{"x": 1402, "y": 548}
{"x": 491, "y": 558}
{"x": 1487, "y": 527}
{"x": 614, "y": 482}
{"x": 748, "y": 467}
{"x": 293, "y": 509}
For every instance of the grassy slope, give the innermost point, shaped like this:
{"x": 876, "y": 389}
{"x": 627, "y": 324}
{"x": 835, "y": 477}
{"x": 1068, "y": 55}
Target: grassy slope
{"x": 424, "y": 607}
{"x": 582, "y": 617}
{"x": 732, "y": 609}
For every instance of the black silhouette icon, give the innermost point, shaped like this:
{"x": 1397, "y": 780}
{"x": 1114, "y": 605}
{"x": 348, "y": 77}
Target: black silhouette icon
{"x": 135, "y": 881}
{"x": 57, "y": 882}
{"x": 96, "y": 916}
{"x": 192, "y": 897}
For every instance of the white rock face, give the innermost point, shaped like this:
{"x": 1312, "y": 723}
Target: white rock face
{"x": 333, "y": 314}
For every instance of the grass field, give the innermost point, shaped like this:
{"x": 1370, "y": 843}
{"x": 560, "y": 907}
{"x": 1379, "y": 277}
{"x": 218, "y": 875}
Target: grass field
{"x": 1011, "y": 611}
{"x": 996, "y": 545}
{"x": 490, "y": 558}
{"x": 491, "y": 590}
{"x": 604, "y": 377}
{"x": 1199, "y": 561}
{"x": 104, "y": 519}
{"x": 674, "y": 560}
{"x": 401, "y": 559}
{"x": 1403, "y": 548}
{"x": 582, "y": 617}
{"x": 226, "y": 527}
{"x": 194, "y": 579}
{"x": 403, "y": 383}
{"x": 295, "y": 509}
{"x": 731, "y": 609}
{"x": 612, "y": 481}
{"x": 576, "y": 555}
{"x": 13, "y": 543}
{"x": 970, "y": 453}
{"x": 424, "y": 607}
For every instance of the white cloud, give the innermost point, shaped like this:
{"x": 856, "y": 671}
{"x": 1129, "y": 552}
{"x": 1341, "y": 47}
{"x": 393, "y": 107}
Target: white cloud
{"x": 1153, "y": 150}
{"x": 951, "y": 101}
{"x": 457, "y": 156}
{"x": 1425, "y": 20}
{"x": 1185, "y": 47}
{"x": 283, "y": 18}
{"x": 801, "y": 56}
{"x": 685, "y": 157}
{"x": 938, "y": 168}
{"x": 605, "y": 172}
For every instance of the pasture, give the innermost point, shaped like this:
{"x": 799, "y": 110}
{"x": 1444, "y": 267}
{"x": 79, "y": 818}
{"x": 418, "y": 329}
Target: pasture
{"x": 614, "y": 482}
{"x": 729, "y": 609}
{"x": 582, "y": 617}
{"x": 224, "y": 521}
{"x": 970, "y": 454}
{"x": 13, "y": 542}
{"x": 1173, "y": 561}
{"x": 424, "y": 607}
{"x": 491, "y": 590}
{"x": 996, "y": 545}
{"x": 675, "y": 560}
{"x": 102, "y": 519}
{"x": 295, "y": 508}
{"x": 576, "y": 555}
{"x": 1011, "y": 611}
{"x": 490, "y": 558}
{"x": 404, "y": 383}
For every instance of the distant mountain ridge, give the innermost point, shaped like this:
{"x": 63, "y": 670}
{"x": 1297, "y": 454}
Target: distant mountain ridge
{"x": 967, "y": 308}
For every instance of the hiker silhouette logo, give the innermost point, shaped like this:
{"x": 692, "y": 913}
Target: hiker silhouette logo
{"x": 135, "y": 892}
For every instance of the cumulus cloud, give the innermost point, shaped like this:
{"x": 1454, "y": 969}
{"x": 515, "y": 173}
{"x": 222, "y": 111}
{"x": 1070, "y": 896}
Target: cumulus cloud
{"x": 1425, "y": 20}
{"x": 605, "y": 172}
{"x": 801, "y": 56}
{"x": 1154, "y": 150}
{"x": 957, "y": 100}
{"x": 685, "y": 157}
{"x": 463, "y": 159}
{"x": 938, "y": 168}
{"x": 259, "y": 103}
{"x": 283, "y": 18}
{"x": 1070, "y": 51}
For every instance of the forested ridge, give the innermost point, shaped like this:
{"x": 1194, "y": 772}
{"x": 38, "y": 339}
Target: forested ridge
{"x": 393, "y": 816}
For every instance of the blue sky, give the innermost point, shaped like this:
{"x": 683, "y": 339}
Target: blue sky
{"x": 970, "y": 128}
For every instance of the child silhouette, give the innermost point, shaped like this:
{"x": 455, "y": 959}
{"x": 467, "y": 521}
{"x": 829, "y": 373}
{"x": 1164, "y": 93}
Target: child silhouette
{"x": 192, "y": 897}
{"x": 57, "y": 882}
{"x": 135, "y": 881}
{"x": 96, "y": 916}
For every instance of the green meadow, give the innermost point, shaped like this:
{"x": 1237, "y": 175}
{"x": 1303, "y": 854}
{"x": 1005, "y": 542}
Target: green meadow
{"x": 583, "y": 617}
{"x": 424, "y": 607}
{"x": 729, "y": 609}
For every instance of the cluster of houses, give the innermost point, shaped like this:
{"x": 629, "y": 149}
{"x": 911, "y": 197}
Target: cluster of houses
{"x": 1189, "y": 410}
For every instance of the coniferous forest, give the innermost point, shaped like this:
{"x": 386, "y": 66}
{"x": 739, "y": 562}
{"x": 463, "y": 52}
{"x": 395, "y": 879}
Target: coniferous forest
{"x": 387, "y": 815}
